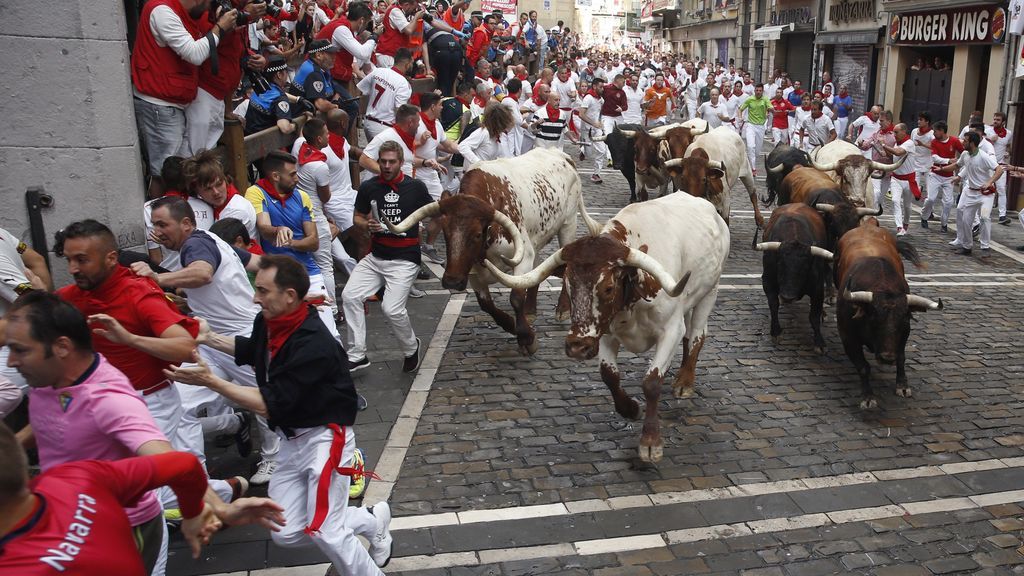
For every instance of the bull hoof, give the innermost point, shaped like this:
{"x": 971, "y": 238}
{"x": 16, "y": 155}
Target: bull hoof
{"x": 651, "y": 453}
{"x": 819, "y": 349}
{"x": 776, "y": 339}
{"x": 531, "y": 318}
{"x": 904, "y": 392}
{"x": 683, "y": 391}
{"x": 529, "y": 349}
{"x": 869, "y": 403}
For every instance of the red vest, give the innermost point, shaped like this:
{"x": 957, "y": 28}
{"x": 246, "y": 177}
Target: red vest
{"x": 158, "y": 71}
{"x": 229, "y": 52}
{"x": 342, "y": 70}
{"x": 391, "y": 40}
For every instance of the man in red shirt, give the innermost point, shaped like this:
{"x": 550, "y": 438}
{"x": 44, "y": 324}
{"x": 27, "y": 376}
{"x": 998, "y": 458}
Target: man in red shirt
{"x": 346, "y": 32}
{"x": 780, "y": 118}
{"x": 71, "y": 518}
{"x": 478, "y": 43}
{"x": 614, "y": 103}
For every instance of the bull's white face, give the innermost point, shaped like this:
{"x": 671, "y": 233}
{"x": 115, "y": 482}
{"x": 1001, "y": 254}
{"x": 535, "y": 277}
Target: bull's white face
{"x": 855, "y": 181}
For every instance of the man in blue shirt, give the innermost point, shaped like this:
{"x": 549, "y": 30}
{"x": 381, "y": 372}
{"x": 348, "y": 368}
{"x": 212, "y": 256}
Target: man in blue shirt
{"x": 312, "y": 80}
{"x": 842, "y": 105}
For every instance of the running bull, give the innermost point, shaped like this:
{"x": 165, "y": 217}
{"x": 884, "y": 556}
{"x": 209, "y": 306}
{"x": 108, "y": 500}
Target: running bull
{"x": 506, "y": 211}
{"x": 846, "y": 164}
{"x": 647, "y": 278}
{"x": 875, "y": 306}
{"x": 640, "y": 154}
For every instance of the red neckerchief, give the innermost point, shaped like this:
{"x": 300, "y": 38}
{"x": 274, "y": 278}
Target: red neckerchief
{"x": 408, "y": 139}
{"x": 337, "y": 144}
{"x": 554, "y": 112}
{"x": 232, "y": 192}
{"x": 397, "y": 71}
{"x": 923, "y": 132}
{"x": 308, "y": 153}
{"x": 393, "y": 184}
{"x": 254, "y": 248}
{"x": 594, "y": 93}
{"x": 269, "y": 188}
{"x": 281, "y": 328}
{"x": 886, "y": 130}
{"x": 799, "y": 92}
{"x": 480, "y": 101}
{"x": 431, "y": 125}
{"x": 514, "y": 95}
{"x": 464, "y": 102}
{"x": 176, "y": 194}
{"x": 844, "y": 94}
{"x": 905, "y": 138}
{"x": 1001, "y": 132}
{"x": 521, "y": 76}
{"x": 537, "y": 99}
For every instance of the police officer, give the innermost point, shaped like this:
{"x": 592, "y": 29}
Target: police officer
{"x": 444, "y": 51}
{"x": 274, "y": 106}
{"x": 312, "y": 80}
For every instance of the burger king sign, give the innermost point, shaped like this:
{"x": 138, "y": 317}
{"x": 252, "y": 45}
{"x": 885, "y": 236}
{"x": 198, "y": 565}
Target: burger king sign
{"x": 966, "y": 25}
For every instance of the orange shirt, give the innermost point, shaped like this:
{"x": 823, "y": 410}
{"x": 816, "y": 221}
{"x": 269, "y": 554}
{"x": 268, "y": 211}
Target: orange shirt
{"x": 658, "y": 99}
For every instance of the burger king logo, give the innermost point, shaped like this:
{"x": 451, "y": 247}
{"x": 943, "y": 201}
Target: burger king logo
{"x": 998, "y": 25}
{"x": 894, "y": 27}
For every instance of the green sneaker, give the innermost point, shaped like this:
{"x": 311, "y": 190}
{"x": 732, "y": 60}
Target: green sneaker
{"x": 358, "y": 486}
{"x": 173, "y": 517}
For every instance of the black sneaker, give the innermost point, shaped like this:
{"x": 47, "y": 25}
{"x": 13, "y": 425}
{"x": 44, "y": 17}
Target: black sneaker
{"x": 1020, "y": 248}
{"x": 424, "y": 274}
{"x": 243, "y": 438}
{"x": 1004, "y": 221}
{"x": 412, "y": 362}
{"x": 361, "y": 403}
{"x": 964, "y": 252}
{"x": 924, "y": 223}
{"x": 976, "y": 229}
{"x": 945, "y": 229}
{"x": 358, "y": 365}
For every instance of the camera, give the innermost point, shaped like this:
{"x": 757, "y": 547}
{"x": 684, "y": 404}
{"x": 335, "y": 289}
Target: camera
{"x": 219, "y": 7}
{"x": 428, "y": 18}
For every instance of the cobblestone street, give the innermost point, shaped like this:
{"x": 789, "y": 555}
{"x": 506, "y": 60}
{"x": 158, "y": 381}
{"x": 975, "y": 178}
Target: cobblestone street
{"x": 499, "y": 464}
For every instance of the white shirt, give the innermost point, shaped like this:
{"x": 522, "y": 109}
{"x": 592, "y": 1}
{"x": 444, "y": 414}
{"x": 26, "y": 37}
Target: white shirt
{"x": 386, "y": 90}
{"x": 312, "y": 175}
{"x": 373, "y": 148}
{"x": 634, "y": 97}
{"x": 1001, "y": 144}
{"x": 922, "y": 157}
{"x": 226, "y": 301}
{"x": 908, "y": 165}
{"x": 343, "y": 38}
{"x": 204, "y": 219}
{"x": 517, "y": 126}
{"x": 428, "y": 151}
{"x": 713, "y": 113}
{"x": 12, "y": 269}
{"x": 240, "y": 209}
{"x": 169, "y": 31}
{"x": 398, "y": 19}
{"x": 817, "y": 130}
{"x": 563, "y": 89}
{"x": 732, "y": 106}
{"x": 976, "y": 170}
{"x": 867, "y": 127}
{"x": 341, "y": 176}
{"x": 591, "y": 108}
{"x": 748, "y": 89}
{"x": 479, "y": 146}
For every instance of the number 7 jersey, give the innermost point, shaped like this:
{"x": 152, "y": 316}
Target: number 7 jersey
{"x": 386, "y": 90}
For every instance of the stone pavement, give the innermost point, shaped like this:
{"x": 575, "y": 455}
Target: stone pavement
{"x": 502, "y": 464}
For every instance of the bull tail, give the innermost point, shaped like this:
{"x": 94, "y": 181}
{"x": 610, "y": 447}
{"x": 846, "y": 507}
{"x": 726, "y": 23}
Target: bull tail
{"x": 907, "y": 250}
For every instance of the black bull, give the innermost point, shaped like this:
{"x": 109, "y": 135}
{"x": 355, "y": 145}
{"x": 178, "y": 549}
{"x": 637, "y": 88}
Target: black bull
{"x": 622, "y": 150}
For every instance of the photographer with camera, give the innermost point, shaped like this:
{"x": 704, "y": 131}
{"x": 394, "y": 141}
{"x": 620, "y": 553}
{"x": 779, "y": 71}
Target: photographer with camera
{"x": 169, "y": 48}
{"x": 444, "y": 53}
{"x": 220, "y": 74}
{"x": 478, "y": 44}
{"x": 401, "y": 22}
{"x": 356, "y": 44}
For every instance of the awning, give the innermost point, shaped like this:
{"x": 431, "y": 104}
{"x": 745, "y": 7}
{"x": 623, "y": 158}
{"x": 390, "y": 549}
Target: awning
{"x": 765, "y": 33}
{"x": 852, "y": 37}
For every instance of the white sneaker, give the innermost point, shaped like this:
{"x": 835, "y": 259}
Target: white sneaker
{"x": 264, "y": 471}
{"x": 381, "y": 543}
{"x": 415, "y": 292}
{"x": 901, "y": 232}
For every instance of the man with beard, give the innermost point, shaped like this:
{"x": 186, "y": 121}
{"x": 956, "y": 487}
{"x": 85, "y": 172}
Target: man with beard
{"x": 165, "y": 63}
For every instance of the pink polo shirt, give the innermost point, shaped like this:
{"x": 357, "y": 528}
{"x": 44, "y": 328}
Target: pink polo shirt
{"x": 99, "y": 417}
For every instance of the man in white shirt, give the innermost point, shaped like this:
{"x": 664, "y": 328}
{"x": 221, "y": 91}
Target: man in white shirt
{"x": 514, "y": 105}
{"x": 817, "y": 130}
{"x": 922, "y": 137}
{"x": 634, "y": 98}
{"x": 904, "y": 179}
{"x": 409, "y": 133}
{"x": 339, "y": 208}
{"x": 386, "y": 90}
{"x": 980, "y": 171}
{"x": 590, "y": 115}
{"x": 315, "y": 181}
{"x": 1001, "y": 138}
{"x": 732, "y": 107}
{"x": 714, "y": 110}
{"x": 864, "y": 128}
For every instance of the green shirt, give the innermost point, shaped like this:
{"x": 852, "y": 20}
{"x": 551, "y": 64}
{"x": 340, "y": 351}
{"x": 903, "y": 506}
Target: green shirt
{"x": 757, "y": 109}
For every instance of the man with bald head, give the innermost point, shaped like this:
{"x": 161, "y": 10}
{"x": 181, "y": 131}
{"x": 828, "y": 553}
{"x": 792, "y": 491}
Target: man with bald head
{"x": 343, "y": 195}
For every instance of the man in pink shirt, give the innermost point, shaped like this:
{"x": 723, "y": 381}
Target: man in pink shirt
{"x": 82, "y": 408}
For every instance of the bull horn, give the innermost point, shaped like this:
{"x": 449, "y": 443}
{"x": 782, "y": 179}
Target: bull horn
{"x": 531, "y": 278}
{"x": 648, "y": 264}
{"x": 862, "y": 296}
{"x": 593, "y": 226}
{"x": 825, "y": 208}
{"x": 821, "y": 253}
{"x": 628, "y": 133}
{"x": 922, "y": 302}
{"x": 869, "y": 211}
{"x": 824, "y": 167}
{"x": 598, "y": 138}
{"x": 767, "y": 246}
{"x": 519, "y": 248}
{"x": 716, "y": 164}
{"x": 674, "y": 163}
{"x": 889, "y": 167}
{"x": 432, "y": 209}
{"x": 777, "y": 169}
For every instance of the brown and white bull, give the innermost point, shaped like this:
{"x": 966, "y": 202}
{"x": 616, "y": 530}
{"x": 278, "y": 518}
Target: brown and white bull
{"x": 875, "y": 305}
{"x": 647, "y": 278}
{"x": 847, "y": 166}
{"x": 506, "y": 211}
{"x": 711, "y": 166}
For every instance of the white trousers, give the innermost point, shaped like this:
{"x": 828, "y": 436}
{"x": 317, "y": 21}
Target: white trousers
{"x": 753, "y": 135}
{"x": 971, "y": 203}
{"x": 340, "y": 208}
{"x": 780, "y": 136}
{"x": 317, "y": 287}
{"x": 204, "y": 122}
{"x": 322, "y": 255}
{"x": 691, "y": 109}
{"x": 902, "y": 200}
{"x": 600, "y": 150}
{"x": 841, "y": 126}
{"x": 372, "y": 128}
{"x": 369, "y": 275}
{"x": 880, "y": 187}
{"x": 300, "y": 470}
{"x": 938, "y": 185}
{"x": 195, "y": 398}
{"x": 1001, "y": 193}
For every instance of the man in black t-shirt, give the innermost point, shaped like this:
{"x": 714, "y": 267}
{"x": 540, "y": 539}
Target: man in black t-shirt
{"x": 393, "y": 261}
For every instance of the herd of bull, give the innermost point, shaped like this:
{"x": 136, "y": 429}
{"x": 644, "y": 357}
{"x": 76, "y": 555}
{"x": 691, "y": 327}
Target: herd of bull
{"x": 649, "y": 276}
